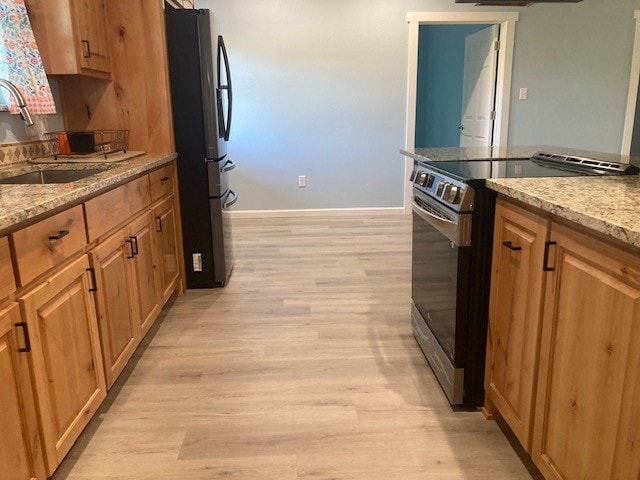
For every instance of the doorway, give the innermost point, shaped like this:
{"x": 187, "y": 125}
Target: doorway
{"x": 507, "y": 22}
{"x": 631, "y": 134}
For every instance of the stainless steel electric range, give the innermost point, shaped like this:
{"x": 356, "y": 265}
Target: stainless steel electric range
{"x": 452, "y": 242}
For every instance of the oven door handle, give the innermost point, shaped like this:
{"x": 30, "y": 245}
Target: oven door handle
{"x": 459, "y": 235}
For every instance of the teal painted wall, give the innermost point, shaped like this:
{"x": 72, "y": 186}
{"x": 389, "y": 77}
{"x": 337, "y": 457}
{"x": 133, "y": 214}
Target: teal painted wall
{"x": 440, "y": 74}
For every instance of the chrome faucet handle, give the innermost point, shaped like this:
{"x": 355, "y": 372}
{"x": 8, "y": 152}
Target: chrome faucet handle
{"x": 24, "y": 111}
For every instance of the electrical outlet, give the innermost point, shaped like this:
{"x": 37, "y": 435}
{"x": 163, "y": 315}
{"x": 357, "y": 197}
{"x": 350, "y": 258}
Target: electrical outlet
{"x": 197, "y": 262}
{"x": 302, "y": 181}
{"x": 524, "y": 93}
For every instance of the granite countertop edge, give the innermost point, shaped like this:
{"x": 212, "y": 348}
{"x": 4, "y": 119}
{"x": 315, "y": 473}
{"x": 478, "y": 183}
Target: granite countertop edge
{"x": 611, "y": 207}
{"x": 22, "y": 203}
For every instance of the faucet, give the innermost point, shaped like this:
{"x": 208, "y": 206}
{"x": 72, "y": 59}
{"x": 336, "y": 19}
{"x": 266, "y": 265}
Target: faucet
{"x": 24, "y": 111}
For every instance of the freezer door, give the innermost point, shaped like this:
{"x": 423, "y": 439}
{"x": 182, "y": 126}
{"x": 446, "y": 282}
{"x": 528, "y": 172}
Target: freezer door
{"x": 222, "y": 237}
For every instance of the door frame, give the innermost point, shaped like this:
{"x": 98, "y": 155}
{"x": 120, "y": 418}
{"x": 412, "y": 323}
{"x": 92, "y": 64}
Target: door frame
{"x": 507, "y": 22}
{"x": 632, "y": 98}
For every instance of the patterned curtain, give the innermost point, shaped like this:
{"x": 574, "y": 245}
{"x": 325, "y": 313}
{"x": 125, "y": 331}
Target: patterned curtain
{"x": 20, "y": 61}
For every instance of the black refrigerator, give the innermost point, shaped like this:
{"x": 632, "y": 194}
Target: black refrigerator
{"x": 201, "y": 98}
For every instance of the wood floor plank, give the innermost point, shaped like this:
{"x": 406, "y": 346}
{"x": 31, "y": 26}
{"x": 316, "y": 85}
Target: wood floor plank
{"x": 303, "y": 367}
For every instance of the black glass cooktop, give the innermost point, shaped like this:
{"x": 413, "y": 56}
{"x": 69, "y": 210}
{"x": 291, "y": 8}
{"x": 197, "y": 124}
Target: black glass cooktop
{"x": 467, "y": 170}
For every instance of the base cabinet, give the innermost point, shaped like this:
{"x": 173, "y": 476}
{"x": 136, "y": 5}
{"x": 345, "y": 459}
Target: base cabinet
{"x": 563, "y": 352}
{"x": 166, "y": 238}
{"x": 145, "y": 273}
{"x": 20, "y": 451}
{"x": 65, "y": 357}
{"x": 514, "y": 316}
{"x": 116, "y": 302}
{"x": 588, "y": 404}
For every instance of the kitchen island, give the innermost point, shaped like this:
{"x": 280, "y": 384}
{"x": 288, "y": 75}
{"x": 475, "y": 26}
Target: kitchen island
{"x": 563, "y": 340}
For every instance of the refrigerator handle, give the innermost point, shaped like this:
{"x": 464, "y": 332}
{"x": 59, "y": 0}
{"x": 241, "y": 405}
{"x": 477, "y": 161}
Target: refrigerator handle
{"x": 228, "y": 166}
{"x": 232, "y": 201}
{"x": 223, "y": 50}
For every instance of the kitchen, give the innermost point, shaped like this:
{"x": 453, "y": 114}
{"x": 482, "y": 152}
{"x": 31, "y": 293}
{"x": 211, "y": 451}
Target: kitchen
{"x": 353, "y": 123}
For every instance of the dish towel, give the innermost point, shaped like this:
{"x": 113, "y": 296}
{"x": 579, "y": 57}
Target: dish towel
{"x": 20, "y": 61}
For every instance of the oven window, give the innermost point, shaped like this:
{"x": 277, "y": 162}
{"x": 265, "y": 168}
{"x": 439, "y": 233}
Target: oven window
{"x": 435, "y": 287}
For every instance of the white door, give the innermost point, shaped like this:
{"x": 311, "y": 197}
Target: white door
{"x": 478, "y": 90}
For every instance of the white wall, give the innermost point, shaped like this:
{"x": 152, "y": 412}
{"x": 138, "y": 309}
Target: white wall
{"x": 320, "y": 91}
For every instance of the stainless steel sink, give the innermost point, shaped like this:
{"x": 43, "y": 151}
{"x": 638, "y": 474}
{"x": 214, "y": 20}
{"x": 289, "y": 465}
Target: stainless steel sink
{"x": 42, "y": 177}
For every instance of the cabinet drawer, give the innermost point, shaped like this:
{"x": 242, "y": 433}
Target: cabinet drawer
{"x": 161, "y": 181}
{"x": 48, "y": 243}
{"x": 7, "y": 282}
{"x": 115, "y": 207}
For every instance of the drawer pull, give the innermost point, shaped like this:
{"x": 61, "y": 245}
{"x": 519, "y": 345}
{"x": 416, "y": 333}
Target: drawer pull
{"x": 546, "y": 257}
{"x": 164, "y": 179}
{"x": 92, "y": 271}
{"x": 87, "y": 48}
{"x": 159, "y": 224}
{"x": 61, "y": 233}
{"x": 510, "y": 246}
{"x": 27, "y": 340}
{"x": 130, "y": 242}
{"x": 135, "y": 244}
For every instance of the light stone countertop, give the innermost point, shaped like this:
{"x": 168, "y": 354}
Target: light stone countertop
{"x": 20, "y": 203}
{"x": 609, "y": 205}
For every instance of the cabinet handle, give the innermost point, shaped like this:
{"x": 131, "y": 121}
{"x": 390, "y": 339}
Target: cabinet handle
{"x": 61, "y": 233}
{"x": 27, "y": 340}
{"x": 159, "y": 224}
{"x": 545, "y": 268}
{"x": 134, "y": 245}
{"x": 93, "y": 280}
{"x": 130, "y": 242}
{"x": 87, "y": 48}
{"x": 510, "y": 246}
{"x": 164, "y": 179}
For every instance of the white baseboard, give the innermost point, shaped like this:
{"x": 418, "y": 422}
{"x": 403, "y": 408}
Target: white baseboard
{"x": 316, "y": 212}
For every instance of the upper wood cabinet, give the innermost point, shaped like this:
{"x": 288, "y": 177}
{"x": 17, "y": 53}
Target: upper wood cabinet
{"x": 20, "y": 452}
{"x": 514, "y": 315}
{"x": 72, "y": 36}
{"x": 588, "y": 400}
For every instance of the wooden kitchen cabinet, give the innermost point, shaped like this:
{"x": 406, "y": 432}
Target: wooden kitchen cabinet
{"x": 7, "y": 279}
{"x": 20, "y": 450}
{"x": 115, "y": 298}
{"x": 167, "y": 243}
{"x": 145, "y": 274}
{"x": 66, "y": 359}
{"x": 514, "y": 315}
{"x": 587, "y": 421}
{"x": 72, "y": 36}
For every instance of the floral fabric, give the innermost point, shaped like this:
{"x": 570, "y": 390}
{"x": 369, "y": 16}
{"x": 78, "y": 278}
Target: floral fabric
{"x": 20, "y": 60}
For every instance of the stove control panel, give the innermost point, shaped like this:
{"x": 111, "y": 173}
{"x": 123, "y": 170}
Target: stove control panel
{"x": 453, "y": 193}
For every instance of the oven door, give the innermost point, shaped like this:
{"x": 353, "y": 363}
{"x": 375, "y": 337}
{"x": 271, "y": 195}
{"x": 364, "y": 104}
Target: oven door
{"x": 440, "y": 286}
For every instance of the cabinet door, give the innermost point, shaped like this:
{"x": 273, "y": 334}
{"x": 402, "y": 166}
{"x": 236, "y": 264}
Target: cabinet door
{"x": 18, "y": 448}
{"x": 145, "y": 274}
{"x": 165, "y": 231}
{"x": 92, "y": 42}
{"x": 66, "y": 358}
{"x": 111, "y": 261}
{"x": 587, "y": 423}
{"x": 514, "y": 315}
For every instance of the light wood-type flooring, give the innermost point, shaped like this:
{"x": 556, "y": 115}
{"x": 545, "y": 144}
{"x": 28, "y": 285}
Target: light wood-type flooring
{"x": 303, "y": 367}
